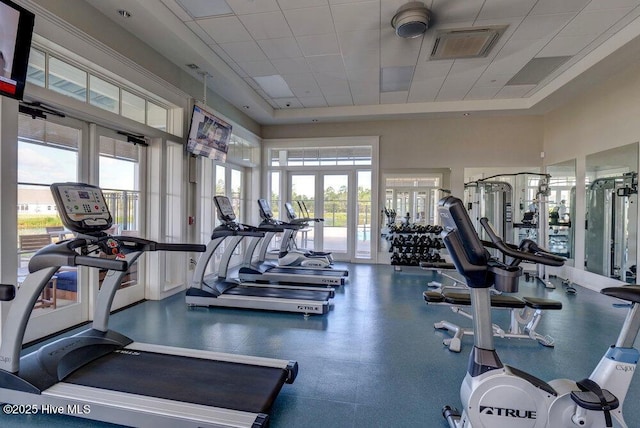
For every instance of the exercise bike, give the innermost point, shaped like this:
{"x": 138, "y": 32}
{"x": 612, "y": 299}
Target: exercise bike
{"x": 494, "y": 395}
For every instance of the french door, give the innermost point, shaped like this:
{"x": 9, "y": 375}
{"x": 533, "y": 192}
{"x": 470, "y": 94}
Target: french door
{"x": 120, "y": 169}
{"x": 334, "y": 196}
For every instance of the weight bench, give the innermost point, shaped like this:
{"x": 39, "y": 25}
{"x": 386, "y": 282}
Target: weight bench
{"x": 525, "y": 313}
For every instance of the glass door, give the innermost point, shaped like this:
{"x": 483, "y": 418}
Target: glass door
{"x": 48, "y": 152}
{"x": 303, "y": 195}
{"x": 337, "y": 216}
{"x": 120, "y": 170}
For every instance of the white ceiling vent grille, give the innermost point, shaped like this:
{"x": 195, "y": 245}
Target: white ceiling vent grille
{"x": 472, "y": 42}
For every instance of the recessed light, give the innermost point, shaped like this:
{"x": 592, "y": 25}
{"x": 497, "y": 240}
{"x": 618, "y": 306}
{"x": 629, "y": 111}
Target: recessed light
{"x": 467, "y": 114}
{"x": 193, "y": 66}
{"x": 314, "y": 120}
{"x": 124, "y": 13}
{"x": 246, "y": 107}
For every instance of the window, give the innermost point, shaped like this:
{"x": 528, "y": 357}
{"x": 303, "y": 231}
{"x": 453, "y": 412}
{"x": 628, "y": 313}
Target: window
{"x": 133, "y": 107}
{"x": 67, "y": 80}
{"x": 324, "y": 156}
{"x": 104, "y": 94}
{"x": 45, "y": 70}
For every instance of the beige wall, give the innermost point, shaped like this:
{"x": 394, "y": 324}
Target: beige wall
{"x": 608, "y": 116}
{"x": 453, "y": 143}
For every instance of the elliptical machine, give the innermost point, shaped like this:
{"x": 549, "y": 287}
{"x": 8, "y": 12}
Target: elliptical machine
{"x": 494, "y": 395}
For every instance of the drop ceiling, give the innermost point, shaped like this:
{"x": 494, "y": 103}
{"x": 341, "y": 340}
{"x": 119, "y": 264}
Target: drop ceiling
{"x": 298, "y": 61}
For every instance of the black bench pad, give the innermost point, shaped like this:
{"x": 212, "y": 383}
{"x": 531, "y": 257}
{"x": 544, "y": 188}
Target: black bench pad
{"x": 540, "y": 303}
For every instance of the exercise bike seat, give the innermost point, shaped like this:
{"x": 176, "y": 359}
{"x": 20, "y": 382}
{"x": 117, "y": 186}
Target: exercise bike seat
{"x": 541, "y": 303}
{"x": 497, "y": 300}
{"x": 630, "y": 293}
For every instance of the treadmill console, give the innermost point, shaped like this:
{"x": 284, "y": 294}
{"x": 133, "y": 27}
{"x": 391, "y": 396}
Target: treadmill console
{"x": 82, "y": 207}
{"x": 265, "y": 209}
{"x": 291, "y": 214}
{"x": 225, "y": 210}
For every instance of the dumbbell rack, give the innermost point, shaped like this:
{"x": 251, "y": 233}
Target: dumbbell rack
{"x": 412, "y": 244}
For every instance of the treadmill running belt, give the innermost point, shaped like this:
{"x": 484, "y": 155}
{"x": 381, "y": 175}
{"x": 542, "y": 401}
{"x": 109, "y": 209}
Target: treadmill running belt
{"x": 303, "y": 271}
{"x": 279, "y": 293}
{"x": 193, "y": 380}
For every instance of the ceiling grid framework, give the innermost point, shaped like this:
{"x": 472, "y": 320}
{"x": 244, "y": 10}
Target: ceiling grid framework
{"x": 323, "y": 56}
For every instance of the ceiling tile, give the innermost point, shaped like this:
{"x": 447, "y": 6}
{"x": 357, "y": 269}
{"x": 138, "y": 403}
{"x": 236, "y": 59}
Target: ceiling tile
{"x": 371, "y": 75}
{"x": 447, "y": 11}
{"x": 302, "y": 84}
{"x": 202, "y": 8}
{"x": 243, "y": 51}
{"x": 356, "y": 16}
{"x": 610, "y": 4}
{"x": 310, "y": 21}
{"x": 299, "y": 4}
{"x": 425, "y": 90}
{"x": 242, "y": 7}
{"x": 562, "y": 46}
{"x": 291, "y": 65}
{"x": 225, "y": 29}
{"x": 399, "y": 97}
{"x": 541, "y": 26}
{"x": 203, "y": 35}
{"x": 365, "y": 93}
{"x": 353, "y": 42}
{"x": 258, "y": 68}
{"x": 492, "y": 80}
{"x": 393, "y": 79}
{"x": 339, "y": 100}
{"x": 330, "y": 64}
{"x": 330, "y": 84}
{"x": 549, "y": 7}
{"x": 432, "y": 69}
{"x": 322, "y": 44}
{"x": 500, "y": 9}
{"x": 268, "y": 25}
{"x": 362, "y": 61}
{"x": 593, "y": 23}
{"x": 482, "y": 92}
{"x": 514, "y": 91}
{"x": 514, "y": 55}
{"x": 454, "y": 89}
{"x": 280, "y": 48}
{"x": 313, "y": 101}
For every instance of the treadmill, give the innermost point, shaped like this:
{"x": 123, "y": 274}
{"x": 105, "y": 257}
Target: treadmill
{"x": 263, "y": 271}
{"x": 224, "y": 292}
{"x": 103, "y": 375}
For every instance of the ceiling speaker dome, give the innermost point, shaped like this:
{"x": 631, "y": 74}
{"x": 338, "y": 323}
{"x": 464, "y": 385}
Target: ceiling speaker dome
{"x": 411, "y": 20}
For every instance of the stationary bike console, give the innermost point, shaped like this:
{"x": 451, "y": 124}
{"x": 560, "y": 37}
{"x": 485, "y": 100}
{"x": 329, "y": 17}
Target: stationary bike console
{"x": 84, "y": 209}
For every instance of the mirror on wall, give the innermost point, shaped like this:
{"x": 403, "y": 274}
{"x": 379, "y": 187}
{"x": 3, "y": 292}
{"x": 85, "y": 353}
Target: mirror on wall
{"x": 612, "y": 213}
{"x": 561, "y": 206}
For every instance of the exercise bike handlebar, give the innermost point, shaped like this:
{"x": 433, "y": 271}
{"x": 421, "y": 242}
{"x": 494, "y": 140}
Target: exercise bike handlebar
{"x": 528, "y": 253}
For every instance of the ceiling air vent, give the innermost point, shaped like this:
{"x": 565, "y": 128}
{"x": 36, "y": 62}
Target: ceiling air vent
{"x": 472, "y": 42}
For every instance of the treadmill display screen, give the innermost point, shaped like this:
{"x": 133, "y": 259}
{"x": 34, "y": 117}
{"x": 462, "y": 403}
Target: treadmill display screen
{"x": 224, "y": 208}
{"x": 81, "y": 206}
{"x": 265, "y": 208}
{"x": 290, "y": 212}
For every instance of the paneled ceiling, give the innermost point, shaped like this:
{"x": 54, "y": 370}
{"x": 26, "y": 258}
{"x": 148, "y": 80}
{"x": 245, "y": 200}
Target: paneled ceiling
{"x": 301, "y": 61}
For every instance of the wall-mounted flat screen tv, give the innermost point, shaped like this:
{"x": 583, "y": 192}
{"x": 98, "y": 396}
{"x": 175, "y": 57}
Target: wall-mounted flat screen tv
{"x": 208, "y": 135}
{"x": 16, "y": 30}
